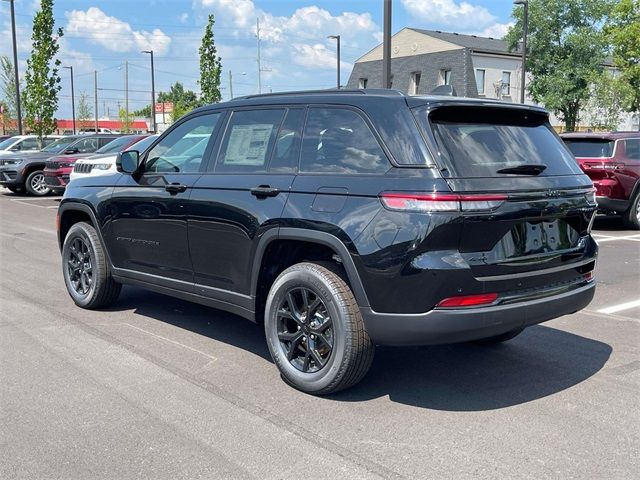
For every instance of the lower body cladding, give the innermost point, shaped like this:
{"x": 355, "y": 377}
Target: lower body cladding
{"x": 453, "y": 325}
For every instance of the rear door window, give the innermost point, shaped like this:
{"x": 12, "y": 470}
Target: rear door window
{"x": 590, "y": 147}
{"x": 632, "y": 148}
{"x": 249, "y": 140}
{"x": 338, "y": 140}
{"x": 479, "y": 142}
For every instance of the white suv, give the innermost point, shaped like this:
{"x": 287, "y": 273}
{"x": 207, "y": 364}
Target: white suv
{"x": 25, "y": 143}
{"x": 106, "y": 163}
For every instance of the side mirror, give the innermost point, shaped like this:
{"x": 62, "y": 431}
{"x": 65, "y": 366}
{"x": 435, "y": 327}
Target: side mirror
{"x": 70, "y": 151}
{"x": 128, "y": 162}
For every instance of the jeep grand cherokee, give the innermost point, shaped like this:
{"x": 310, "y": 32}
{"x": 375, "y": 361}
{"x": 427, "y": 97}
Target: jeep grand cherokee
{"x": 343, "y": 220}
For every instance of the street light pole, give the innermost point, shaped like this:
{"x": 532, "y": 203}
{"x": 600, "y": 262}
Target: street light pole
{"x": 73, "y": 103}
{"x": 15, "y": 66}
{"x": 337, "y": 39}
{"x": 386, "y": 46}
{"x": 230, "y": 85}
{"x": 525, "y": 31}
{"x": 153, "y": 93}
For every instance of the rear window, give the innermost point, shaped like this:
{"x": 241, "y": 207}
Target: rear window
{"x": 479, "y": 142}
{"x": 590, "y": 147}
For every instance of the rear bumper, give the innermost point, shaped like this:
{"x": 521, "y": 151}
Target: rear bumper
{"x": 441, "y": 326}
{"x": 612, "y": 204}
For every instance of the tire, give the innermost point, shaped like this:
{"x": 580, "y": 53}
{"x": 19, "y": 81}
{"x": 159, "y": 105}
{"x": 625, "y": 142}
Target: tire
{"x": 334, "y": 340}
{"x": 35, "y": 184}
{"x": 631, "y": 218}
{"x": 504, "y": 337}
{"x": 83, "y": 254}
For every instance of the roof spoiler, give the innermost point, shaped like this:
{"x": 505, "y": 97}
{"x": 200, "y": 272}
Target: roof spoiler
{"x": 444, "y": 90}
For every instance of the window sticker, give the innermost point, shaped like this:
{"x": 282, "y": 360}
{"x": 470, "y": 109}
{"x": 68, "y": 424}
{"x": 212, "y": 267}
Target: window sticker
{"x": 248, "y": 144}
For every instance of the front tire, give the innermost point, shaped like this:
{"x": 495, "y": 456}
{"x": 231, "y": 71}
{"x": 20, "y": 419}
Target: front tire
{"x": 86, "y": 269}
{"x": 631, "y": 217}
{"x": 315, "y": 331}
{"x": 36, "y": 185}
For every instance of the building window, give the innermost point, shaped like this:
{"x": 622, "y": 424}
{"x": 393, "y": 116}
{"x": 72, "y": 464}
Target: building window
{"x": 445, "y": 77}
{"x": 480, "y": 74}
{"x": 506, "y": 83}
{"x": 362, "y": 82}
{"x": 414, "y": 83}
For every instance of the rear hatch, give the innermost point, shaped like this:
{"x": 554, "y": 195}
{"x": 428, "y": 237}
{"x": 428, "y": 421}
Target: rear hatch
{"x": 537, "y": 217}
{"x": 595, "y": 157}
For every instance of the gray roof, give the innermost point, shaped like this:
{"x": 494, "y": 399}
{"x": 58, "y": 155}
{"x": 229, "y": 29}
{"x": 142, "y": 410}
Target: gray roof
{"x": 481, "y": 44}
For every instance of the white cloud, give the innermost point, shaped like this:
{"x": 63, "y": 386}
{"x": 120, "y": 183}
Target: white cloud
{"x": 461, "y": 15}
{"x": 316, "y": 56}
{"x": 183, "y": 17}
{"x": 112, "y": 33}
{"x": 497, "y": 30}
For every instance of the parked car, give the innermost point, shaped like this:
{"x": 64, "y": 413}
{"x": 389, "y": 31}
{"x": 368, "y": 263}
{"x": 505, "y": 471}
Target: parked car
{"x": 342, "y": 220}
{"x": 23, "y": 171}
{"x": 24, "y": 143}
{"x": 612, "y": 161}
{"x": 58, "y": 169}
{"x": 4, "y": 137}
{"x": 105, "y": 164}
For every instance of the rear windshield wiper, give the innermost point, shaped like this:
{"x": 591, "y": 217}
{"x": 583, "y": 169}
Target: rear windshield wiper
{"x": 534, "y": 169}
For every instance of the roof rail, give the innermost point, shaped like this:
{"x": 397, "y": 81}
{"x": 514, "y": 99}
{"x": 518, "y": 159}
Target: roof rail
{"x": 328, "y": 91}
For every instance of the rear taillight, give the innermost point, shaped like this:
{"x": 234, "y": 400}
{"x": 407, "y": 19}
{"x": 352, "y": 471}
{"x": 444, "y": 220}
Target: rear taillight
{"x": 441, "y": 202}
{"x": 468, "y": 300}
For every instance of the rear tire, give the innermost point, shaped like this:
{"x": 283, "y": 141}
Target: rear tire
{"x": 315, "y": 331}
{"x": 86, "y": 270}
{"x": 35, "y": 184}
{"x": 631, "y": 218}
{"x": 504, "y": 337}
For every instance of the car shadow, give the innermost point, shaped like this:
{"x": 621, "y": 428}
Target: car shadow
{"x": 609, "y": 223}
{"x": 539, "y": 362}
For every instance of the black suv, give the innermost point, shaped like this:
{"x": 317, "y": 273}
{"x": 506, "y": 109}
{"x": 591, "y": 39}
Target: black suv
{"x": 342, "y": 220}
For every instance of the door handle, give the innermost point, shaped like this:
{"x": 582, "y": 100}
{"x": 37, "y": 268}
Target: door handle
{"x": 174, "y": 188}
{"x": 264, "y": 191}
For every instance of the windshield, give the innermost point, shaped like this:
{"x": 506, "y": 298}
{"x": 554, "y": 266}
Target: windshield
{"x": 117, "y": 145}
{"x": 489, "y": 142}
{"x": 143, "y": 144}
{"x": 7, "y": 143}
{"x": 59, "y": 145}
{"x": 590, "y": 148}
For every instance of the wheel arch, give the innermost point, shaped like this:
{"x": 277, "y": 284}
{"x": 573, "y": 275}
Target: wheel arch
{"x": 70, "y": 213}
{"x": 319, "y": 238}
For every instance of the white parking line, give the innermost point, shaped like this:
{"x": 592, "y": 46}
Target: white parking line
{"x": 620, "y": 307}
{"x": 608, "y": 238}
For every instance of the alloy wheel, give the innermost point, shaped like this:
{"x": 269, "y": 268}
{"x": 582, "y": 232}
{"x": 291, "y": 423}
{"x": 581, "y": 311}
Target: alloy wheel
{"x": 305, "y": 330}
{"x": 38, "y": 184}
{"x": 79, "y": 267}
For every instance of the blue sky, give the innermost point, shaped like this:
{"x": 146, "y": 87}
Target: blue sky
{"x": 101, "y": 35}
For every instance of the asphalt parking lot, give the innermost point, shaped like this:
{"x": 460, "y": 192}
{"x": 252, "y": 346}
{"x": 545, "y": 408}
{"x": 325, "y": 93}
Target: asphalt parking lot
{"x": 160, "y": 388}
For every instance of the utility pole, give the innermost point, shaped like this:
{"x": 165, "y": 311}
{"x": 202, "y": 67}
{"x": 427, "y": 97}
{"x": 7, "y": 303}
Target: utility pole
{"x": 154, "y": 127}
{"x": 15, "y": 66}
{"x": 95, "y": 96}
{"x": 73, "y": 102}
{"x": 386, "y": 46}
{"x": 126, "y": 91}
{"x": 337, "y": 39}
{"x": 230, "y": 84}
{"x": 525, "y": 31}
{"x": 259, "y": 66}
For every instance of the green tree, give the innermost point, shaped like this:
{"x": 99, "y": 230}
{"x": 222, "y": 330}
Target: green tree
{"x": 42, "y": 80}
{"x": 85, "y": 112}
{"x": 623, "y": 32}
{"x": 183, "y": 100}
{"x": 125, "y": 120}
{"x": 8, "y": 86}
{"x": 608, "y": 98}
{"x": 566, "y": 49}
{"x": 210, "y": 66}
{"x": 143, "y": 112}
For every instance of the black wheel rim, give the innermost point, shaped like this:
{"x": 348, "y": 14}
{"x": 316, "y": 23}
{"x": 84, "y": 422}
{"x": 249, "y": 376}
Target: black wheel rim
{"x": 79, "y": 266}
{"x": 305, "y": 330}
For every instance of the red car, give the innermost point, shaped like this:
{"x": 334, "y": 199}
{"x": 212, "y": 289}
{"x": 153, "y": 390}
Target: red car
{"x": 612, "y": 161}
{"x": 57, "y": 169}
